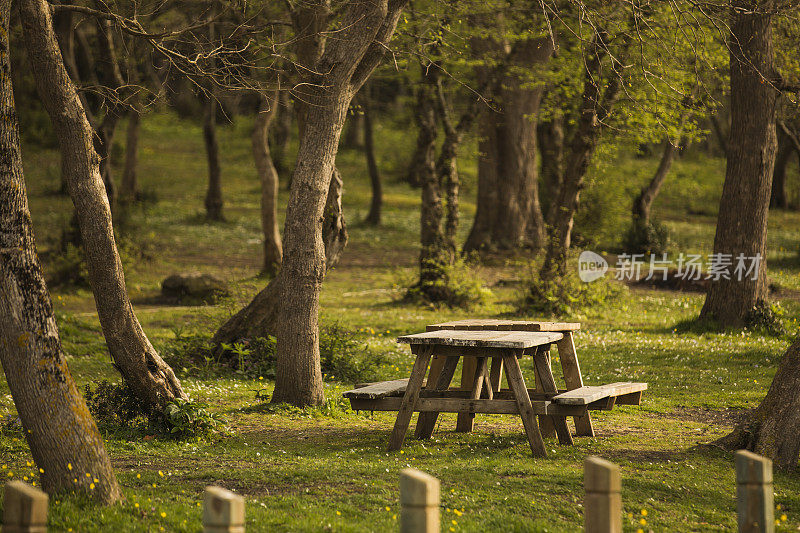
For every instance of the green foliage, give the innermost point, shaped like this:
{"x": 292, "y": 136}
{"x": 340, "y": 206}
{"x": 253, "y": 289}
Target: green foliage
{"x": 66, "y": 268}
{"x": 563, "y": 295}
{"x": 115, "y": 406}
{"x": 184, "y": 418}
{"x": 345, "y": 358}
{"x": 452, "y": 284}
{"x": 767, "y": 318}
{"x": 649, "y": 238}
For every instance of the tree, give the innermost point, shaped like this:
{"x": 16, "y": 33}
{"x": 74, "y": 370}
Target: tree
{"x": 62, "y": 436}
{"x": 335, "y": 71}
{"x": 742, "y": 219}
{"x": 273, "y": 247}
{"x": 772, "y": 429}
{"x": 374, "y": 216}
{"x": 510, "y": 215}
{"x": 150, "y": 378}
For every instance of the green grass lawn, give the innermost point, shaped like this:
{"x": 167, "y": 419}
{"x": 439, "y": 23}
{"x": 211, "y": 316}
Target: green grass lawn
{"x": 327, "y": 468}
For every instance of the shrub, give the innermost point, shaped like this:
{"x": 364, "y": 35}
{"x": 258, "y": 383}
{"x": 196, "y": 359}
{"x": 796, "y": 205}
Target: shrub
{"x": 115, "y": 406}
{"x": 563, "y": 295}
{"x": 766, "y": 317}
{"x": 66, "y": 268}
{"x": 452, "y": 284}
{"x": 649, "y": 238}
{"x": 184, "y": 418}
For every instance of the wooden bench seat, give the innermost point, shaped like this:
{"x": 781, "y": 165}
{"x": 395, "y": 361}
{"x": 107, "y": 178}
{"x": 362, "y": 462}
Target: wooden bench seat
{"x": 625, "y": 393}
{"x": 381, "y": 389}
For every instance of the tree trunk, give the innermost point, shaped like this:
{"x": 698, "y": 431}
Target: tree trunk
{"x": 129, "y": 191}
{"x": 62, "y": 436}
{"x": 273, "y": 247}
{"x": 722, "y": 138}
{"x": 354, "y": 133}
{"x": 778, "y": 198}
{"x": 112, "y": 78}
{"x": 151, "y": 379}
{"x": 375, "y": 206}
{"x": 594, "y": 108}
{"x": 515, "y": 219}
{"x": 521, "y": 223}
{"x": 281, "y": 131}
{"x": 644, "y": 202}
{"x": 550, "y": 136}
{"x": 480, "y": 235}
{"x": 425, "y": 116}
{"x": 742, "y": 219}
{"x": 213, "y": 200}
{"x": 772, "y": 429}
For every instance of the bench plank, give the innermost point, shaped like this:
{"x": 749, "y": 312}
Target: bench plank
{"x": 508, "y": 325}
{"x": 381, "y": 389}
{"x": 483, "y": 339}
{"x": 590, "y": 394}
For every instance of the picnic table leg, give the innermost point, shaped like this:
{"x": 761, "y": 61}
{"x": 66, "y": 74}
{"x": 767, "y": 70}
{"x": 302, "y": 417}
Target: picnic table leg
{"x": 546, "y": 425}
{"x": 496, "y": 373}
{"x": 573, "y": 380}
{"x": 410, "y": 397}
{"x": 517, "y": 384}
{"x": 477, "y": 387}
{"x": 426, "y": 422}
{"x": 548, "y": 383}
{"x": 465, "y": 420}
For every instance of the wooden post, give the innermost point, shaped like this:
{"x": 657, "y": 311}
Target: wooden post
{"x": 419, "y": 502}
{"x": 754, "y": 495}
{"x": 223, "y": 511}
{"x": 24, "y": 509}
{"x": 602, "y": 505}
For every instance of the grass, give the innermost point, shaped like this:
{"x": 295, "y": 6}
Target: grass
{"x": 327, "y": 468}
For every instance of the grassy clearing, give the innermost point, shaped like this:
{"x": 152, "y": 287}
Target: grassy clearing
{"x": 326, "y": 468}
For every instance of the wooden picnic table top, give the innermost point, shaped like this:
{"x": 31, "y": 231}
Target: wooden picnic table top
{"x": 483, "y": 338}
{"x": 505, "y": 325}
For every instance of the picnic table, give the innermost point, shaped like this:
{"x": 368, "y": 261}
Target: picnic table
{"x": 490, "y": 348}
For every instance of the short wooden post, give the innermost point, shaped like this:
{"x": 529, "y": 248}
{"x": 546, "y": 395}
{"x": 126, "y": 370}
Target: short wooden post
{"x": 602, "y": 504}
{"x": 24, "y": 509}
{"x": 223, "y": 511}
{"x": 754, "y": 495}
{"x": 419, "y": 502}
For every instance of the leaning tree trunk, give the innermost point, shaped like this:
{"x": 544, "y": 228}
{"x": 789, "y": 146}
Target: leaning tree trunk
{"x": 62, "y": 436}
{"x": 273, "y": 247}
{"x": 213, "y": 200}
{"x": 594, "y": 109}
{"x": 150, "y": 378}
{"x": 376, "y": 204}
{"x": 743, "y": 209}
{"x": 773, "y": 429}
{"x": 129, "y": 189}
{"x": 550, "y": 137}
{"x": 643, "y": 203}
{"x": 778, "y": 198}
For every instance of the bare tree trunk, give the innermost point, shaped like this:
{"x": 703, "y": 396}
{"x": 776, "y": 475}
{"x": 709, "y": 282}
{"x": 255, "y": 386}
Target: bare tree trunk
{"x": 722, "y": 138}
{"x": 521, "y": 222}
{"x": 375, "y": 206}
{"x": 743, "y": 209}
{"x": 772, "y": 429}
{"x": 273, "y": 247}
{"x": 480, "y": 235}
{"x": 550, "y": 136}
{"x": 778, "y": 198}
{"x": 644, "y": 202}
{"x": 129, "y": 191}
{"x": 594, "y": 108}
{"x": 62, "y": 436}
{"x": 425, "y": 117}
{"x": 213, "y": 200}
{"x": 151, "y": 379}
{"x": 281, "y": 131}
{"x": 354, "y": 133}
{"x": 112, "y": 79}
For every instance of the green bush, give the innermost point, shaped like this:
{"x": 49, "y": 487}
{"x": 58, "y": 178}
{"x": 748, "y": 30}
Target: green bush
{"x": 453, "y": 284}
{"x": 184, "y": 418}
{"x": 66, "y": 268}
{"x": 563, "y": 295}
{"x": 766, "y": 317}
{"x": 650, "y": 238}
{"x": 115, "y": 406}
